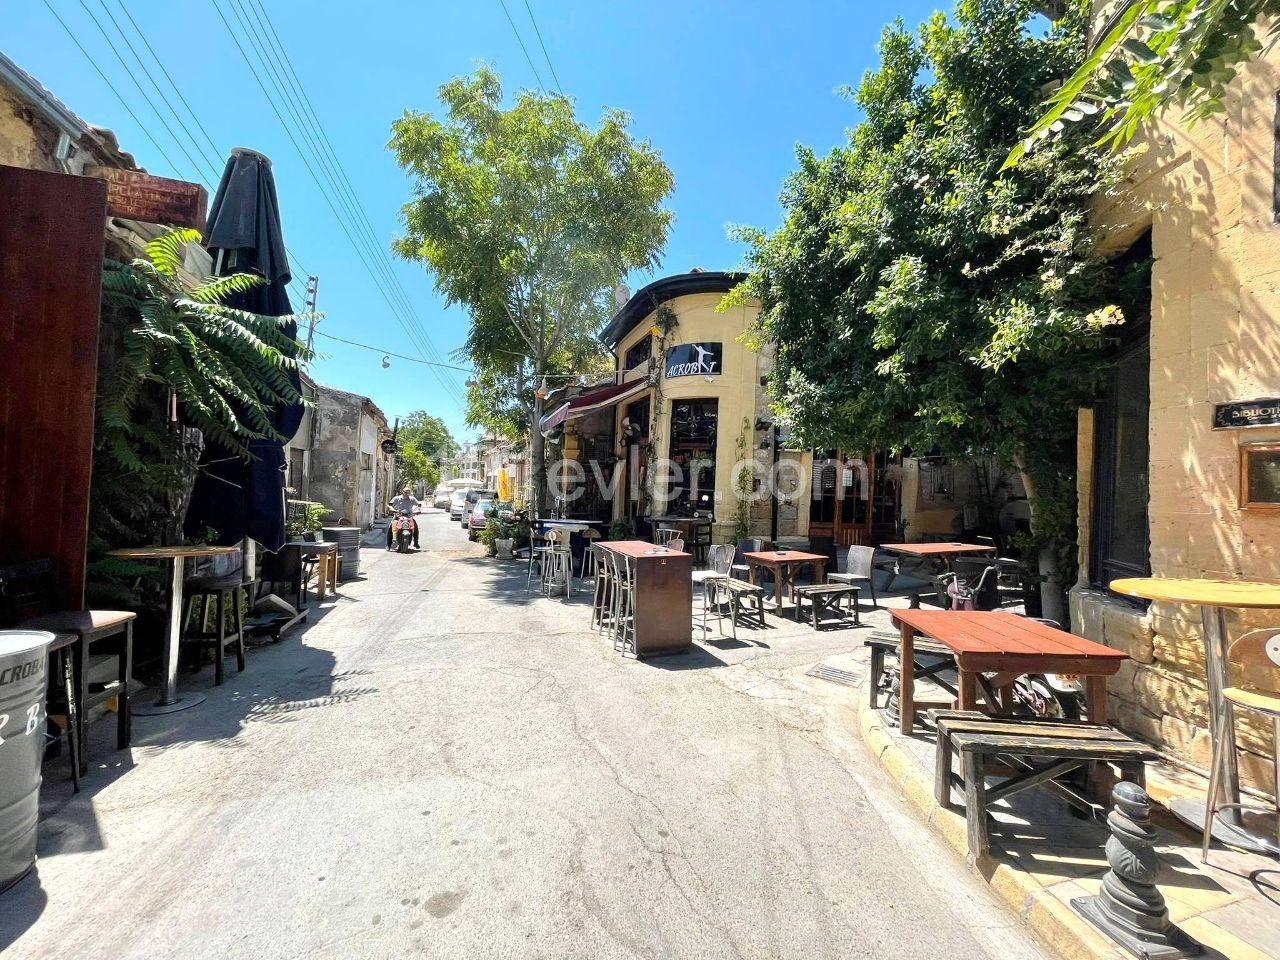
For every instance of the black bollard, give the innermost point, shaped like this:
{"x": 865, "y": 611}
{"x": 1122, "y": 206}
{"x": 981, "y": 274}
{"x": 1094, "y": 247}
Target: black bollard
{"x": 1130, "y": 909}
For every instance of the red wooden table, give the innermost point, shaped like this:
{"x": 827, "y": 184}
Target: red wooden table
{"x": 944, "y": 552}
{"x": 783, "y": 564}
{"x": 1007, "y": 645}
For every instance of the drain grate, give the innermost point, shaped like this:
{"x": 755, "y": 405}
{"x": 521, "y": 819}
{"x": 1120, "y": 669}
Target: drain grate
{"x": 836, "y": 675}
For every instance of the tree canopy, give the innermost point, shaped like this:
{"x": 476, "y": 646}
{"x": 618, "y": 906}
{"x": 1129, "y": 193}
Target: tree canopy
{"x": 916, "y": 294}
{"x": 1153, "y": 55}
{"x": 529, "y": 218}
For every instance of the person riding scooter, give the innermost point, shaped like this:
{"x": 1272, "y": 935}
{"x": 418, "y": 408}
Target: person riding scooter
{"x": 406, "y": 503}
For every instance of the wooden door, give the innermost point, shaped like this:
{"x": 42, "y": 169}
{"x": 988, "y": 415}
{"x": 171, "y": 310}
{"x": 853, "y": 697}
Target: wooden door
{"x": 840, "y": 504}
{"x": 51, "y": 244}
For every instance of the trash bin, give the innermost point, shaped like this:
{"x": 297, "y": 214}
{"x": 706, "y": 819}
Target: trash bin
{"x": 24, "y": 657}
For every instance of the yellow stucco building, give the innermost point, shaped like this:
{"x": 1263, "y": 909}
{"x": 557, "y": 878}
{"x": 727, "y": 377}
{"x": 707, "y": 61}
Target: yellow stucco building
{"x": 1160, "y": 485}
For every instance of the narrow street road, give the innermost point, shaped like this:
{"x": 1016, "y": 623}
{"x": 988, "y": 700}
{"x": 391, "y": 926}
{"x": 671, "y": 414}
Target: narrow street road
{"x": 441, "y": 766}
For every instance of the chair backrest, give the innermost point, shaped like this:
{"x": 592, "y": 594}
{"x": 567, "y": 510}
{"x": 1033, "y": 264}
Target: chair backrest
{"x": 590, "y": 534}
{"x": 1257, "y": 655}
{"x": 26, "y": 590}
{"x": 676, "y": 544}
{"x": 664, "y": 535}
{"x": 861, "y": 561}
{"x": 720, "y": 557}
{"x": 750, "y": 545}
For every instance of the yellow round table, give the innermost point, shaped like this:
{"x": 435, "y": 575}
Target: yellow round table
{"x": 1248, "y": 829}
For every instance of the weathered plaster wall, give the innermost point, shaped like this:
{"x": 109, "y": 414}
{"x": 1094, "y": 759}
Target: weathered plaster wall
{"x": 1207, "y": 194}
{"x": 25, "y": 140}
{"x": 335, "y": 464}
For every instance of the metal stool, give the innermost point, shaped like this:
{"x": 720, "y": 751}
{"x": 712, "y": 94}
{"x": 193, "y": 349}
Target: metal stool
{"x": 624, "y": 627}
{"x": 602, "y": 569}
{"x": 535, "y": 553}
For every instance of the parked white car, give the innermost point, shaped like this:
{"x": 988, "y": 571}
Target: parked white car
{"x": 457, "y": 503}
{"x": 442, "y": 497}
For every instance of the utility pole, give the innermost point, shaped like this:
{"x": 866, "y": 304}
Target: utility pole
{"x": 313, "y": 289}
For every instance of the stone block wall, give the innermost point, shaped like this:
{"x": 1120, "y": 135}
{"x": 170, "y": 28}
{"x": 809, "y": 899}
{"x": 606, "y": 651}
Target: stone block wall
{"x": 1208, "y": 196}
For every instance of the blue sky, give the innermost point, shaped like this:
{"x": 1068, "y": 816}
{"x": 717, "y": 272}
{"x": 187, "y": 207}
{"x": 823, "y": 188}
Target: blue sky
{"x": 725, "y": 90}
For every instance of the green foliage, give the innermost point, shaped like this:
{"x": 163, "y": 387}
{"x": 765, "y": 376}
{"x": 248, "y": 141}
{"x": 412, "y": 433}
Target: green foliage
{"x": 429, "y": 435}
{"x": 1156, "y": 54}
{"x": 918, "y": 295}
{"x": 528, "y": 218}
{"x": 308, "y": 519}
{"x": 744, "y": 483}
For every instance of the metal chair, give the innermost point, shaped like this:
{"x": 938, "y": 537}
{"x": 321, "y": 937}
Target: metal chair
{"x": 742, "y": 571}
{"x": 676, "y": 544}
{"x": 536, "y": 554}
{"x": 1257, "y": 654}
{"x": 664, "y": 535}
{"x": 589, "y": 554}
{"x": 623, "y": 608}
{"x": 862, "y": 567}
{"x": 602, "y": 572}
{"x": 719, "y": 563}
{"x": 557, "y": 562}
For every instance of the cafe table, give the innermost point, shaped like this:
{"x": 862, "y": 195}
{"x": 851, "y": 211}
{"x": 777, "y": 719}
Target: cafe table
{"x": 169, "y": 701}
{"x": 945, "y": 553}
{"x": 1250, "y": 830}
{"x": 662, "y": 602}
{"x": 1008, "y": 646}
{"x": 783, "y": 564}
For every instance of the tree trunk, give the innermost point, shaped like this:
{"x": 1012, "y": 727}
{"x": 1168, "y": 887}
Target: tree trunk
{"x": 1053, "y": 598}
{"x": 537, "y": 445}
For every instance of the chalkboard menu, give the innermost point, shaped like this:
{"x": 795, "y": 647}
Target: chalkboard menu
{"x": 1260, "y": 475}
{"x": 1246, "y": 413}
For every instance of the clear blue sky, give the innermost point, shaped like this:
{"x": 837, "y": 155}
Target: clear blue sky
{"x": 725, "y": 90}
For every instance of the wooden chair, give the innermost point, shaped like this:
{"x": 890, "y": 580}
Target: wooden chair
{"x": 220, "y": 583}
{"x": 101, "y": 637}
{"x": 1257, "y": 657}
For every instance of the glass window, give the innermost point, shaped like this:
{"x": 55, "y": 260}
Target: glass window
{"x": 693, "y": 452}
{"x": 639, "y": 352}
{"x": 1121, "y": 537}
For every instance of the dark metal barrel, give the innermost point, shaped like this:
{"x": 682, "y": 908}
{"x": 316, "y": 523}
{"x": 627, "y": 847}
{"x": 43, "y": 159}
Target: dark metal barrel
{"x": 348, "y": 541}
{"x": 24, "y": 656}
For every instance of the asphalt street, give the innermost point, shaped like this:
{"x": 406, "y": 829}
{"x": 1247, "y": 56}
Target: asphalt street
{"x": 443, "y": 765}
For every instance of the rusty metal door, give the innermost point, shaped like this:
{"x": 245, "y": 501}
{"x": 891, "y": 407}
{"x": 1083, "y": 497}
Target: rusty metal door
{"x": 51, "y": 244}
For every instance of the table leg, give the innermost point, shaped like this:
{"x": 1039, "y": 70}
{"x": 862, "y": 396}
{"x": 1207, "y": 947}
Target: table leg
{"x": 907, "y": 680}
{"x": 969, "y": 691}
{"x": 169, "y": 701}
{"x": 1095, "y": 698}
{"x": 334, "y": 561}
{"x": 322, "y": 576}
{"x": 779, "y": 587}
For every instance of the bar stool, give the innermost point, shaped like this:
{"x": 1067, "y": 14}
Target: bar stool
{"x": 221, "y": 586}
{"x": 602, "y": 571}
{"x": 557, "y": 562}
{"x": 536, "y": 553}
{"x": 623, "y": 608}
{"x": 589, "y": 554}
{"x": 1258, "y": 656}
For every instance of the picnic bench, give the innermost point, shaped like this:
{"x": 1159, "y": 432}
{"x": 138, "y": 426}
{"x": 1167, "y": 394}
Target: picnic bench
{"x": 826, "y": 597}
{"x": 1040, "y": 751}
{"x": 930, "y": 660}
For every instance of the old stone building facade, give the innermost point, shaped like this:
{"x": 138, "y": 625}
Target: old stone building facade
{"x": 349, "y": 473}
{"x": 1159, "y": 486}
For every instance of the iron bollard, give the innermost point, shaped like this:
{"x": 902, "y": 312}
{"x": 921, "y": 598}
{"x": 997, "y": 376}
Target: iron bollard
{"x": 1129, "y": 908}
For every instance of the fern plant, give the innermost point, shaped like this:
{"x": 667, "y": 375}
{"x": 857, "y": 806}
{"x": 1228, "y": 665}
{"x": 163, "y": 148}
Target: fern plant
{"x": 227, "y": 368}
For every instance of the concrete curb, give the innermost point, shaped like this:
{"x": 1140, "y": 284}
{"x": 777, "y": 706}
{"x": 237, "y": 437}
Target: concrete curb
{"x": 1052, "y": 922}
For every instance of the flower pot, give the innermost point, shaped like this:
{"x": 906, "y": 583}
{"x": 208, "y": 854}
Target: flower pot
{"x": 505, "y": 547}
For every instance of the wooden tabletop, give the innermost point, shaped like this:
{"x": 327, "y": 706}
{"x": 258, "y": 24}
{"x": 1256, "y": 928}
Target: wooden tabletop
{"x": 936, "y": 549}
{"x": 1253, "y": 594}
{"x": 173, "y": 553}
{"x": 783, "y": 556}
{"x": 639, "y": 548}
{"x": 1001, "y": 634}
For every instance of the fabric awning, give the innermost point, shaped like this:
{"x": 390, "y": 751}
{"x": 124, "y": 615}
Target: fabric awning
{"x": 586, "y": 403}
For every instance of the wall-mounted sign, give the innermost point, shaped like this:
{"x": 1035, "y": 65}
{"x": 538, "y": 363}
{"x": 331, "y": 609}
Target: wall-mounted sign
{"x": 1247, "y": 413}
{"x": 694, "y": 360}
{"x": 134, "y": 195}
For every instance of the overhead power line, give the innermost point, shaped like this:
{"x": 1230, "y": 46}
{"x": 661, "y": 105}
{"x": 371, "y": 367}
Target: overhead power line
{"x": 389, "y": 353}
{"x": 546, "y": 56}
{"x": 520, "y": 40}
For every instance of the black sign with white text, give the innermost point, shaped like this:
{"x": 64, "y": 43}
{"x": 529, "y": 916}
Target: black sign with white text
{"x": 694, "y": 360}
{"x": 1247, "y": 413}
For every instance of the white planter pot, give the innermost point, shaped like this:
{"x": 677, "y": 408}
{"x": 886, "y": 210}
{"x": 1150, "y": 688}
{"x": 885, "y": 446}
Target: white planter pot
{"x": 505, "y": 548}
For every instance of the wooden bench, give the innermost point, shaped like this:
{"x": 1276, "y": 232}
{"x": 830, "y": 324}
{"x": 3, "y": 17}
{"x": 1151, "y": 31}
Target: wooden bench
{"x": 1040, "y": 750}
{"x": 826, "y": 597}
{"x": 741, "y": 594}
{"x": 881, "y": 643}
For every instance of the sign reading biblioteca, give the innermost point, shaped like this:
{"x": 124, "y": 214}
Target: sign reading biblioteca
{"x": 694, "y": 360}
{"x": 1247, "y": 413}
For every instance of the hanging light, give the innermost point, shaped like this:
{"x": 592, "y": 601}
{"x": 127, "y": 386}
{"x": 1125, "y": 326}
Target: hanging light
{"x": 386, "y": 362}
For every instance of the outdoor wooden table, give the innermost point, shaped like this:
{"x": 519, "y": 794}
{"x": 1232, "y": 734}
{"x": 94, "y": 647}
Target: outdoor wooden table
{"x": 942, "y": 552}
{"x": 663, "y": 602}
{"x": 783, "y": 563}
{"x": 328, "y": 560}
{"x": 169, "y": 701}
{"x": 1007, "y": 645}
{"x": 1251, "y": 830}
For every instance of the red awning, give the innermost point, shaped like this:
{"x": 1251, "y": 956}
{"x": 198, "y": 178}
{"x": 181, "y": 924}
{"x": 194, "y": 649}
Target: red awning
{"x": 586, "y": 403}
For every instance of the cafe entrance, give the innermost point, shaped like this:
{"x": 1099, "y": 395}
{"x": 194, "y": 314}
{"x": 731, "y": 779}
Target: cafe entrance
{"x": 855, "y": 499}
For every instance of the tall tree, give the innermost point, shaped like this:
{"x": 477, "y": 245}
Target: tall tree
{"x": 1153, "y": 55}
{"x": 916, "y": 295}
{"x": 528, "y": 218}
{"x": 429, "y": 435}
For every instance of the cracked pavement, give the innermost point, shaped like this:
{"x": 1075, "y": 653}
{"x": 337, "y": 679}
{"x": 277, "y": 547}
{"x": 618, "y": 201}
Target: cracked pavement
{"x": 443, "y": 766}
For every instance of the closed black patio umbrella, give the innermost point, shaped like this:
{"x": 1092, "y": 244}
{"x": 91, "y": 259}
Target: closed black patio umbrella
{"x": 235, "y": 496}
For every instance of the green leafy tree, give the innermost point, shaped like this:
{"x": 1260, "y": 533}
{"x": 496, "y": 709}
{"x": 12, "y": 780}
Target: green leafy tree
{"x": 916, "y": 295}
{"x": 529, "y": 218}
{"x": 1154, "y": 55}
{"x": 429, "y": 435}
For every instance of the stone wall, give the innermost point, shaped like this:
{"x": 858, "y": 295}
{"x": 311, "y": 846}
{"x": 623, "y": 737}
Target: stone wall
{"x": 1207, "y": 195}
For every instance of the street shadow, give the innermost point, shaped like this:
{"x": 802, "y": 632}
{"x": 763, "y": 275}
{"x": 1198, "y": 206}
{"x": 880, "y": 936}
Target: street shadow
{"x": 697, "y": 658}
{"x": 20, "y": 907}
